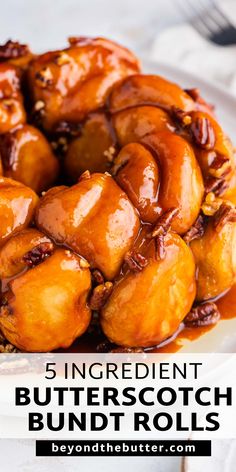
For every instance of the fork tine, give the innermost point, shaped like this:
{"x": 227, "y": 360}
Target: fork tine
{"x": 204, "y": 25}
{"x": 221, "y": 18}
{"x": 212, "y": 25}
{"x": 188, "y": 7}
{"x": 200, "y": 27}
{"x": 208, "y": 20}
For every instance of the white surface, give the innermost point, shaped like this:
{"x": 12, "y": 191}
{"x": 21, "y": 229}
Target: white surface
{"x": 222, "y": 460}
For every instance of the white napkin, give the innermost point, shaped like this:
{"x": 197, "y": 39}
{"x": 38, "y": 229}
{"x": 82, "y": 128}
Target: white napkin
{"x": 184, "y": 47}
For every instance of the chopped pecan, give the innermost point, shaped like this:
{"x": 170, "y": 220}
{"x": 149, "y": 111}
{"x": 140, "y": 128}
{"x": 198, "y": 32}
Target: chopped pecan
{"x": 160, "y": 230}
{"x": 211, "y": 204}
{"x": 135, "y": 261}
{"x": 100, "y": 295}
{"x": 39, "y": 106}
{"x": 196, "y": 231}
{"x": 12, "y": 50}
{"x": 38, "y": 254}
{"x": 97, "y": 277}
{"x": 44, "y": 77}
{"x": 202, "y": 315}
{"x": 62, "y": 58}
{"x": 221, "y": 166}
{"x": 60, "y": 145}
{"x": 85, "y": 176}
{"x": 182, "y": 117}
{"x": 5, "y": 346}
{"x": 163, "y": 223}
{"x": 203, "y": 133}
{"x": 215, "y": 185}
{"x": 110, "y": 153}
{"x": 84, "y": 264}
{"x": 225, "y": 214}
{"x": 160, "y": 246}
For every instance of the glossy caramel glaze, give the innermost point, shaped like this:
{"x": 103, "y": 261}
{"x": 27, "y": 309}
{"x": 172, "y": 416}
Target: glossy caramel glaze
{"x": 12, "y": 253}
{"x": 152, "y": 210}
{"x": 73, "y": 82}
{"x": 136, "y": 172}
{"x": 17, "y": 206}
{"x": 149, "y": 90}
{"x": 164, "y": 291}
{"x": 46, "y": 308}
{"x": 93, "y": 154}
{"x": 28, "y": 158}
{"x": 94, "y": 218}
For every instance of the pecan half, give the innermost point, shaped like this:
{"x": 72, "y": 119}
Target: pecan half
{"x": 100, "y": 295}
{"x": 202, "y": 315}
{"x": 196, "y": 231}
{"x": 160, "y": 230}
{"x": 225, "y": 214}
{"x": 135, "y": 261}
{"x": 38, "y": 254}
{"x": 163, "y": 223}
{"x": 12, "y": 50}
{"x": 203, "y": 133}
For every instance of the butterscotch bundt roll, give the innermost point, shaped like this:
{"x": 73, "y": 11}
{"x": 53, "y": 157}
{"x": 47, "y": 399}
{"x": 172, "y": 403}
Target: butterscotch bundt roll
{"x": 95, "y": 218}
{"x": 27, "y": 156}
{"x": 152, "y": 208}
{"x": 44, "y": 303}
{"x": 77, "y": 80}
{"x": 147, "y": 305}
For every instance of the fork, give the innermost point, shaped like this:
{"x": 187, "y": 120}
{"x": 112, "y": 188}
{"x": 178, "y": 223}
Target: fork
{"x": 210, "y": 21}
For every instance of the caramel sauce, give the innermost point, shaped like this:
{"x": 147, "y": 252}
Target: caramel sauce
{"x": 226, "y": 304}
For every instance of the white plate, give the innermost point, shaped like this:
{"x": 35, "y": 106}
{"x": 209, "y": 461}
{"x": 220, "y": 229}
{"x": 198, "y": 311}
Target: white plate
{"x": 222, "y": 338}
